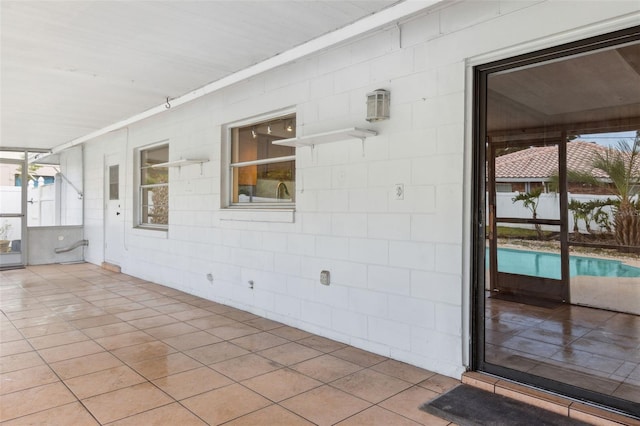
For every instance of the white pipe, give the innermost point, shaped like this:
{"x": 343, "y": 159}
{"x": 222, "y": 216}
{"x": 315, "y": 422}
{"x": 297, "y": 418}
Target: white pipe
{"x": 384, "y": 17}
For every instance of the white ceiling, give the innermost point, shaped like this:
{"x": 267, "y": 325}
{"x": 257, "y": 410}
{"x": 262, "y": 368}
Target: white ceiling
{"x": 70, "y": 68}
{"x": 588, "y": 93}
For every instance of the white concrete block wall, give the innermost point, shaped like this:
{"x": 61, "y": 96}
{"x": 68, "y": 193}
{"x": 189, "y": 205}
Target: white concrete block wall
{"x": 397, "y": 281}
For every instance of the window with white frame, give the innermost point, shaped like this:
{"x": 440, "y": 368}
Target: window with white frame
{"x": 154, "y": 187}
{"x": 262, "y": 172}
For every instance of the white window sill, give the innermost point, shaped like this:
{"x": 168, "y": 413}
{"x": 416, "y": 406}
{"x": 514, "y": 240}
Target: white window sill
{"x": 149, "y": 231}
{"x": 258, "y": 215}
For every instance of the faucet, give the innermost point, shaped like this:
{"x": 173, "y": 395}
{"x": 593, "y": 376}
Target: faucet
{"x": 279, "y": 191}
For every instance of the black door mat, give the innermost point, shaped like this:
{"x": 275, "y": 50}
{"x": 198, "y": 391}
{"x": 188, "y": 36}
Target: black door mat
{"x": 470, "y": 406}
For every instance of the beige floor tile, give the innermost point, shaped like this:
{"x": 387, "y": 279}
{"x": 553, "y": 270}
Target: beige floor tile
{"x": 321, "y": 344}
{"x": 158, "y": 301}
{"x": 65, "y": 415}
{"x": 216, "y": 352}
{"x": 190, "y": 314}
{"x": 84, "y": 365}
{"x": 116, "y": 405}
{"x": 326, "y": 368}
{"x": 73, "y": 313}
{"x": 371, "y": 385}
{"x": 172, "y": 414}
{"x": 281, "y": 384}
{"x": 96, "y": 321}
{"x": 290, "y": 333}
{"x": 104, "y": 302}
{"x": 400, "y": 370}
{"x": 170, "y": 330}
{"x": 325, "y": 405}
{"x": 9, "y": 334}
{"x": 173, "y": 308}
{"x": 239, "y": 315}
{"x": 15, "y": 347}
{"x": 32, "y": 400}
{"x": 265, "y": 324}
{"x": 407, "y": 404}
{"x": 103, "y": 381}
{"x": 96, "y": 295}
{"x": 32, "y": 322}
{"x": 136, "y": 314}
{"x": 19, "y": 361}
{"x": 109, "y": 330}
{"x": 290, "y": 353}
{"x": 191, "y": 340}
{"x": 245, "y": 367}
{"x": 376, "y": 416}
{"x": 59, "y": 339}
{"x": 193, "y": 382}
{"x": 152, "y": 322}
{"x": 224, "y": 404}
{"x": 27, "y": 378}
{"x": 73, "y": 350}
{"x": 272, "y": 415}
{"x": 232, "y": 331}
{"x": 358, "y": 356}
{"x": 143, "y": 352}
{"x": 123, "y": 340}
{"x": 31, "y": 313}
{"x": 155, "y": 368}
{"x": 122, "y": 309}
{"x": 259, "y": 341}
{"x": 211, "y": 321}
{"x": 45, "y": 329}
{"x": 439, "y": 383}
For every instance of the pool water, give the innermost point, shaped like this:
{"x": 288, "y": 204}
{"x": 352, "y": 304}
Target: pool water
{"x": 547, "y": 265}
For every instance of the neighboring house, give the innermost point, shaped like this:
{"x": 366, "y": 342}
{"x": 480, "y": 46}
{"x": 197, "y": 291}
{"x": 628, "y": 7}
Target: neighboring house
{"x": 10, "y": 175}
{"x": 538, "y": 166}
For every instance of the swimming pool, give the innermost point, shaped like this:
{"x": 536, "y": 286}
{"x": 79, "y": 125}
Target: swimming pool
{"x": 547, "y": 265}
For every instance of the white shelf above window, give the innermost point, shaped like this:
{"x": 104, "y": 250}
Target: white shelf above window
{"x": 328, "y": 137}
{"x": 181, "y": 162}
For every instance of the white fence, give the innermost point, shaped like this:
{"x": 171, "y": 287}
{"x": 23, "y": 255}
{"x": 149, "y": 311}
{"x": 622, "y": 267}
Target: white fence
{"x": 548, "y": 208}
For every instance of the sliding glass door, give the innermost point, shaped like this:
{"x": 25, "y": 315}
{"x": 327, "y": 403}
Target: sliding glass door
{"x": 12, "y": 210}
{"x": 557, "y": 241}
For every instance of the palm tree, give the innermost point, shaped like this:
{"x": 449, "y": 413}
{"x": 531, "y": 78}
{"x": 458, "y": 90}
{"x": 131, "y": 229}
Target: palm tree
{"x": 530, "y": 201}
{"x": 622, "y": 165}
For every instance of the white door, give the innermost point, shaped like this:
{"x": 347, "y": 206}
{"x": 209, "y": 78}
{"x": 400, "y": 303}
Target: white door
{"x": 114, "y": 223}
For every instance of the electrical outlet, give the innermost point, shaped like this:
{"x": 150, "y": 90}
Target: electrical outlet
{"x": 325, "y": 277}
{"x": 210, "y": 277}
{"x": 398, "y": 191}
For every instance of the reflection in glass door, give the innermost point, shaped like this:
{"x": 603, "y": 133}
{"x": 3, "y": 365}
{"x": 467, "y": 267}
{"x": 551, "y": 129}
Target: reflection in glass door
{"x": 527, "y": 254}
{"x": 12, "y": 201}
{"x": 557, "y": 247}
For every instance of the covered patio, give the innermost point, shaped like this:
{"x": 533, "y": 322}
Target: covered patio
{"x": 85, "y": 346}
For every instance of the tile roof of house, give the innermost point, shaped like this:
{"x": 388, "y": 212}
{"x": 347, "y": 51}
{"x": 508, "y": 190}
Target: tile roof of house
{"x": 542, "y": 162}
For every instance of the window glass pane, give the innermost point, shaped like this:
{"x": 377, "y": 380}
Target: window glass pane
{"x": 152, "y": 156}
{"x": 154, "y": 176}
{"x": 155, "y": 205}
{"x": 266, "y": 183}
{"x": 273, "y": 179}
{"x": 149, "y": 157}
{"x": 114, "y": 185}
{"x": 261, "y": 147}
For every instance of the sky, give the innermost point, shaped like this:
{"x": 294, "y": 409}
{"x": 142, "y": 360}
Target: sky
{"x": 609, "y": 139}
